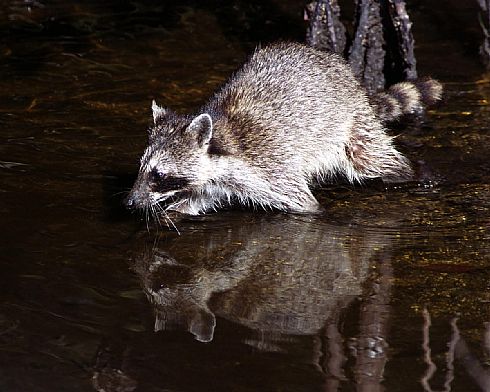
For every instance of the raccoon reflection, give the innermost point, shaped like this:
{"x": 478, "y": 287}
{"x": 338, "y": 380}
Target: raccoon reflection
{"x": 278, "y": 276}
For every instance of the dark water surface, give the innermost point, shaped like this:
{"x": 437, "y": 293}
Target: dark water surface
{"x": 389, "y": 291}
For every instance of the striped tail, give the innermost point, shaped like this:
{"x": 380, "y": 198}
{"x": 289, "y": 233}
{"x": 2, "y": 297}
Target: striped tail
{"x": 411, "y": 97}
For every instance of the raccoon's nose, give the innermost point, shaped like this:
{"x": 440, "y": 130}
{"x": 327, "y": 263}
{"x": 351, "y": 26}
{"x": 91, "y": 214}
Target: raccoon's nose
{"x": 130, "y": 203}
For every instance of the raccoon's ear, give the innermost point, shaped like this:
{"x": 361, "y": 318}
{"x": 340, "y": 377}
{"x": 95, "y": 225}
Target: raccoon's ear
{"x": 157, "y": 111}
{"x": 202, "y": 129}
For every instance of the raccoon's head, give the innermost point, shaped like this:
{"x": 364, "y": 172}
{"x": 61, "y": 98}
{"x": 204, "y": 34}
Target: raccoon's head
{"x": 177, "y": 159}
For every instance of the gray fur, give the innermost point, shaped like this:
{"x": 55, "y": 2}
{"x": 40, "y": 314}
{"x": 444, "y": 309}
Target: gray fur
{"x": 289, "y": 116}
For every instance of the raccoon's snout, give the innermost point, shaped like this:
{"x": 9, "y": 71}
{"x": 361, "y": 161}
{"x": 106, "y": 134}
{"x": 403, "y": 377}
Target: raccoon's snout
{"x": 130, "y": 202}
{"x": 136, "y": 199}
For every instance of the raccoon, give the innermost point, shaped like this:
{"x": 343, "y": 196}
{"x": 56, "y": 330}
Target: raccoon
{"x": 290, "y": 116}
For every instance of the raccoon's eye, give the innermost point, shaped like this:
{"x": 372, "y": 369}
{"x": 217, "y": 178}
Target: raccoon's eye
{"x": 156, "y": 176}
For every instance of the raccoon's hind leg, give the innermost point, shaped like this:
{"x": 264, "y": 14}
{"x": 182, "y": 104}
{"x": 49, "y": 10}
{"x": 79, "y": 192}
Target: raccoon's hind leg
{"x": 370, "y": 153}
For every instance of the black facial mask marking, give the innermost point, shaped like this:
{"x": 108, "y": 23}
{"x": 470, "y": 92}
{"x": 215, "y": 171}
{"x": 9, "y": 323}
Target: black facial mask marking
{"x": 164, "y": 183}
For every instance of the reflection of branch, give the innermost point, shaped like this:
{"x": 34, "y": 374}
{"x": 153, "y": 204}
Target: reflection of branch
{"x": 455, "y": 336}
{"x": 335, "y": 358}
{"x": 486, "y": 338}
{"x": 336, "y": 351}
{"x": 472, "y": 365}
{"x": 371, "y": 346}
{"x": 431, "y": 369}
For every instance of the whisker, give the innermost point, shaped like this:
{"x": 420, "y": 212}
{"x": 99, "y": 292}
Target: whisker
{"x": 159, "y": 209}
{"x": 167, "y": 219}
{"x": 154, "y": 213}
{"x": 147, "y": 218}
{"x": 171, "y": 222}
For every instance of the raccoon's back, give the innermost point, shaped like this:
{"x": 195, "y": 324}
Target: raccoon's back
{"x": 292, "y": 92}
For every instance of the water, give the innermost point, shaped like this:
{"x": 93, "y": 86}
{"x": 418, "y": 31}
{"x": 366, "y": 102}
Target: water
{"x": 388, "y": 291}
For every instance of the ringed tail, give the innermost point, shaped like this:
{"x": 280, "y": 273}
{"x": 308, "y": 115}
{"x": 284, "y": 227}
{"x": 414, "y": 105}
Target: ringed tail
{"x": 410, "y": 97}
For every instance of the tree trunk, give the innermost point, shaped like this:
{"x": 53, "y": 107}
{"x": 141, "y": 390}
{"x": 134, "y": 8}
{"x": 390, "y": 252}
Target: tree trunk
{"x": 381, "y": 50}
{"x": 485, "y": 25}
